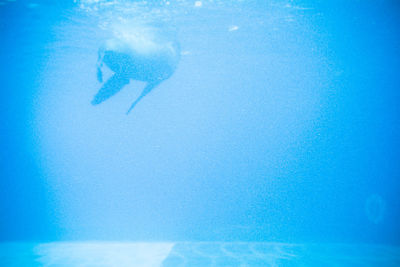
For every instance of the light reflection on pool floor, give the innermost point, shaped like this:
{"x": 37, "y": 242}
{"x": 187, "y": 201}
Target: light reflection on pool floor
{"x": 196, "y": 254}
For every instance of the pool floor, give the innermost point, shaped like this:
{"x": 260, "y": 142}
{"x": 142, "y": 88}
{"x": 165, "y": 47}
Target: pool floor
{"x": 170, "y": 254}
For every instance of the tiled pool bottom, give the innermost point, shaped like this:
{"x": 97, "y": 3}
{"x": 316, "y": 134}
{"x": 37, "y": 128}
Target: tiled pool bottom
{"x": 196, "y": 254}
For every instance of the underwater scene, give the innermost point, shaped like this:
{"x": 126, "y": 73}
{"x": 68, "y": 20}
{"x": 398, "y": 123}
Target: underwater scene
{"x": 199, "y": 133}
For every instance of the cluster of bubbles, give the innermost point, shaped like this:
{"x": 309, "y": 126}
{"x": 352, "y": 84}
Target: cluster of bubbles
{"x": 175, "y": 4}
{"x": 164, "y": 12}
{"x": 181, "y": 12}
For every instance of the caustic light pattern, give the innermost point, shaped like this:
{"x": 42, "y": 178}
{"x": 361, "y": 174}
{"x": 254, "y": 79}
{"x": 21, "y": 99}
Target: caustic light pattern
{"x": 196, "y": 254}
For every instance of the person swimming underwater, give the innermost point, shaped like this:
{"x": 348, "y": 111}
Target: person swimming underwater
{"x": 142, "y": 54}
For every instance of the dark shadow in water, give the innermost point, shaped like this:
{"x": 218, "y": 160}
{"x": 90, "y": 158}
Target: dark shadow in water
{"x": 375, "y": 208}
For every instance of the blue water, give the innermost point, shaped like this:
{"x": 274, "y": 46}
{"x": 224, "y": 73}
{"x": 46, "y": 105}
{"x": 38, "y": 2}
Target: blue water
{"x": 279, "y": 123}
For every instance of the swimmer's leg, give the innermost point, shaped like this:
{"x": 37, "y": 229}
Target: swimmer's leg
{"x": 110, "y": 88}
{"x": 150, "y": 86}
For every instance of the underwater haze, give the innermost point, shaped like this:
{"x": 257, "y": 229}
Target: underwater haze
{"x": 219, "y": 126}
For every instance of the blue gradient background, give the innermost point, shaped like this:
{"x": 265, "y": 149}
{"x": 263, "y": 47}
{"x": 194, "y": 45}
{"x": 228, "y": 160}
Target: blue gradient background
{"x": 278, "y": 131}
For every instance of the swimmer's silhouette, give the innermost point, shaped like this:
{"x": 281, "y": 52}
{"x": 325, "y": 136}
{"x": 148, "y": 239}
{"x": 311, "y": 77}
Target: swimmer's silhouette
{"x": 142, "y": 54}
